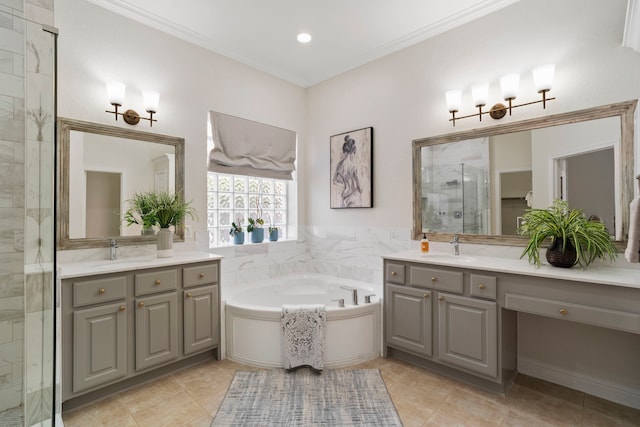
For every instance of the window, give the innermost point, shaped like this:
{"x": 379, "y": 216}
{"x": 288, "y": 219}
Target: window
{"x": 235, "y": 198}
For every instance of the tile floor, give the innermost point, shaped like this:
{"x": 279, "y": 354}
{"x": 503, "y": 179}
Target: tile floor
{"x": 191, "y": 397}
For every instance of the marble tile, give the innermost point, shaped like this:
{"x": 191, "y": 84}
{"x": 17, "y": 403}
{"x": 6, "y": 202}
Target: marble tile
{"x": 13, "y": 4}
{"x": 11, "y": 41}
{"x": 12, "y": 130}
{"x": 611, "y": 409}
{"x": 109, "y": 412}
{"x": 546, "y": 408}
{"x": 6, "y": 20}
{"x": 180, "y": 409}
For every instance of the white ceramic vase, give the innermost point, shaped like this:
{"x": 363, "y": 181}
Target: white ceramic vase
{"x": 165, "y": 243}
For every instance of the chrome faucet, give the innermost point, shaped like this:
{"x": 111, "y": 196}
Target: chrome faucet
{"x": 354, "y": 293}
{"x": 456, "y": 244}
{"x": 113, "y": 246}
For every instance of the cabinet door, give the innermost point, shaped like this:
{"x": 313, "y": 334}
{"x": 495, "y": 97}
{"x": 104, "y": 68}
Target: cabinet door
{"x": 99, "y": 345}
{"x": 200, "y": 319}
{"x": 408, "y": 317}
{"x": 467, "y": 333}
{"x": 156, "y": 330}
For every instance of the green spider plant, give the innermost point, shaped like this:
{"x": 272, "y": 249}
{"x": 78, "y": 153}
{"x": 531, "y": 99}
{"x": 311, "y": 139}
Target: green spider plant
{"x": 590, "y": 238}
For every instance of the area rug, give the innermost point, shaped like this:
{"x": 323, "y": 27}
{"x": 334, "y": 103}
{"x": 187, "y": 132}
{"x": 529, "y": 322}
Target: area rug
{"x": 356, "y": 397}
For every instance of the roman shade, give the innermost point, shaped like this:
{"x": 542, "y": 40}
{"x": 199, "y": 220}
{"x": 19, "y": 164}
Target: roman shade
{"x": 245, "y": 147}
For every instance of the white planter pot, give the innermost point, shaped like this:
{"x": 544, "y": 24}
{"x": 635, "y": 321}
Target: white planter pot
{"x": 165, "y": 243}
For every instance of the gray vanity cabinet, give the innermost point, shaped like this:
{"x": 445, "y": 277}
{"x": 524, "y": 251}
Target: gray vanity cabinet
{"x": 156, "y": 330}
{"x": 408, "y": 318}
{"x": 100, "y": 350}
{"x": 122, "y": 328}
{"x": 468, "y": 333}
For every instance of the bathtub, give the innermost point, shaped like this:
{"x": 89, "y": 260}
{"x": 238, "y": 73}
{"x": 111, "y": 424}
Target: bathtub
{"x": 353, "y": 333}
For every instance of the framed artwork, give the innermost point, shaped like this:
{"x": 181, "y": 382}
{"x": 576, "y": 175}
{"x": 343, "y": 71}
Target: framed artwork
{"x": 352, "y": 169}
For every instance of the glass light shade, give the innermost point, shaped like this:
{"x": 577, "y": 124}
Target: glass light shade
{"x": 543, "y": 77}
{"x": 151, "y": 100}
{"x": 509, "y": 85}
{"x": 304, "y": 38}
{"x": 115, "y": 92}
{"x": 453, "y": 99}
{"x": 480, "y": 94}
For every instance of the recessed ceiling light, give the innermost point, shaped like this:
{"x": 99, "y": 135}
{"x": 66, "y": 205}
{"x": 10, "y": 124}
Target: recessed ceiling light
{"x": 304, "y": 38}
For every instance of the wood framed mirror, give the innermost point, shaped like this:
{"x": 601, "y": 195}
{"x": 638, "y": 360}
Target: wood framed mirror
{"x": 439, "y": 196}
{"x": 100, "y": 168}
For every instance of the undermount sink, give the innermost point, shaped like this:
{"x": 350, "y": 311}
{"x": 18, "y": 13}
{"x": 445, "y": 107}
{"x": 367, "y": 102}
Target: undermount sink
{"x": 448, "y": 257}
{"x": 121, "y": 262}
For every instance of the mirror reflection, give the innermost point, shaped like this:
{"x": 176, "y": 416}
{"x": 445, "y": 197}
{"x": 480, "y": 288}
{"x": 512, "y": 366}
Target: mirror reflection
{"x": 100, "y": 168}
{"x": 480, "y": 182}
{"x": 102, "y": 180}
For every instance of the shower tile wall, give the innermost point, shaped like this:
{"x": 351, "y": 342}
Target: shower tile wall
{"x": 12, "y": 153}
{"x": 26, "y": 205}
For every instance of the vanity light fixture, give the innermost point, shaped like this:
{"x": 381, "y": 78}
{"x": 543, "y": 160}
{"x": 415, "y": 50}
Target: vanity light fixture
{"x": 509, "y": 84}
{"x": 115, "y": 92}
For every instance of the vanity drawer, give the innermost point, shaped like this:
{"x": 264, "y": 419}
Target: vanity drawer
{"x": 157, "y": 281}
{"x": 483, "y": 286}
{"x": 98, "y": 291}
{"x": 434, "y": 278}
{"x": 200, "y": 275}
{"x": 395, "y": 273}
{"x": 613, "y": 319}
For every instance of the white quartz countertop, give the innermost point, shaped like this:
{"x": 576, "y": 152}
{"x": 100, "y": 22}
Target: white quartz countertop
{"x": 596, "y": 273}
{"x": 105, "y": 266}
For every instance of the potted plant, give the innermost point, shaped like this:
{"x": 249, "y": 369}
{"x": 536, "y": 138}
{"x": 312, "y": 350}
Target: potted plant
{"x": 574, "y": 238}
{"x": 170, "y": 210}
{"x": 141, "y": 212}
{"x": 273, "y": 233}
{"x": 256, "y": 230}
{"x": 164, "y": 210}
{"x": 237, "y": 233}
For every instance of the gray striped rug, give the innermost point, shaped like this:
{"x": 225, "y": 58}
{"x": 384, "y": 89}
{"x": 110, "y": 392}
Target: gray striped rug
{"x": 303, "y": 398}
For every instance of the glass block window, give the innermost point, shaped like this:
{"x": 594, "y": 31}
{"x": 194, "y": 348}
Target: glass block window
{"x": 235, "y": 198}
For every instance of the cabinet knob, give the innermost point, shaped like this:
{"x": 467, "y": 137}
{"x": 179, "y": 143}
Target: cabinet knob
{"x": 440, "y": 298}
{"x": 101, "y": 291}
{"x": 188, "y": 294}
{"x": 425, "y": 296}
{"x": 563, "y": 311}
{"x": 122, "y": 308}
{"x": 201, "y": 275}
{"x": 433, "y": 279}
{"x": 481, "y": 286}
{"x": 394, "y": 273}
{"x": 157, "y": 282}
{"x": 141, "y": 304}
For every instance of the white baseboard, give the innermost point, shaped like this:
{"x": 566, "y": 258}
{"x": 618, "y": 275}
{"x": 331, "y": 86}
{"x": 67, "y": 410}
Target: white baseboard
{"x": 581, "y": 382}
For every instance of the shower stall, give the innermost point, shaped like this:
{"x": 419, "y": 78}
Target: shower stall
{"x": 455, "y": 199}
{"x": 27, "y": 246}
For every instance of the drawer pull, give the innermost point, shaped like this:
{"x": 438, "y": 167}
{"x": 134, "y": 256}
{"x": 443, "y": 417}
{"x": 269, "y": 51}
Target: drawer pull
{"x": 563, "y": 311}
{"x": 122, "y": 308}
{"x": 157, "y": 282}
{"x": 481, "y": 286}
{"x": 141, "y": 304}
{"x": 101, "y": 291}
{"x": 201, "y": 275}
{"x": 434, "y": 279}
{"x": 440, "y": 298}
{"x": 425, "y": 296}
{"x": 394, "y": 273}
{"x": 188, "y": 294}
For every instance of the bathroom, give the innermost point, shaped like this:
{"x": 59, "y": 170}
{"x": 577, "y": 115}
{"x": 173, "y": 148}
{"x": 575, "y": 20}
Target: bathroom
{"x": 400, "y": 95}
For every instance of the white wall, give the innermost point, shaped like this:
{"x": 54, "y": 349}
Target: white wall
{"x": 96, "y": 46}
{"x": 402, "y": 95}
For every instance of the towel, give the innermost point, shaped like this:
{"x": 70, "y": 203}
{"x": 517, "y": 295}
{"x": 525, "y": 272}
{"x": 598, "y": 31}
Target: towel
{"x": 632, "y": 253}
{"x": 303, "y": 329}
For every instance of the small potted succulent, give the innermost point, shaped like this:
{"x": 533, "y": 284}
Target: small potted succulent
{"x": 575, "y": 239}
{"x": 256, "y": 230}
{"x": 237, "y": 233}
{"x": 273, "y": 233}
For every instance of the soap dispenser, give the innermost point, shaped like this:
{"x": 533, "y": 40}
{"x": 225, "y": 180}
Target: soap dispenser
{"x": 424, "y": 243}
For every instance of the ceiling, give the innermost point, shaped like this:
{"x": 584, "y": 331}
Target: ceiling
{"x": 262, "y": 34}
